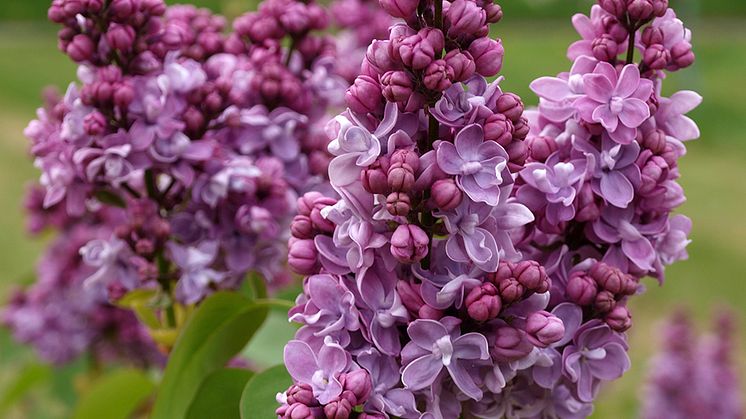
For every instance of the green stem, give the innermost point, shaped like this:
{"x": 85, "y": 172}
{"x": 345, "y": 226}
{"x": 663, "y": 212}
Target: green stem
{"x": 275, "y": 303}
{"x": 165, "y": 282}
{"x": 438, "y": 19}
{"x": 631, "y": 45}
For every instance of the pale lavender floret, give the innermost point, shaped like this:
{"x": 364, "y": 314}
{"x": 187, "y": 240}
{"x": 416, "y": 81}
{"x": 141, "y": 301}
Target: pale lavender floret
{"x": 321, "y": 371}
{"x": 387, "y": 396}
{"x": 110, "y": 258}
{"x": 196, "y": 274}
{"x": 590, "y": 28}
{"x": 468, "y": 241}
{"x": 553, "y": 185}
{"x": 613, "y": 169}
{"x": 616, "y": 100}
{"x": 384, "y": 311}
{"x": 466, "y": 103}
{"x": 596, "y": 354}
{"x": 478, "y": 165}
{"x": 671, "y": 115}
{"x": 618, "y": 226}
{"x": 558, "y": 94}
{"x": 331, "y": 306}
{"x": 434, "y": 347}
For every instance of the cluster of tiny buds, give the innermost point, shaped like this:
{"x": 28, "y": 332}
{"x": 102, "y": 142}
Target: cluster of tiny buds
{"x": 604, "y": 289}
{"x": 300, "y": 402}
{"x": 302, "y": 253}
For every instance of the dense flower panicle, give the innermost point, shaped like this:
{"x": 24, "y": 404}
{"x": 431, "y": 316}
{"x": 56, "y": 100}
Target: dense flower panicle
{"x": 479, "y": 259}
{"x": 693, "y": 377}
{"x": 61, "y": 318}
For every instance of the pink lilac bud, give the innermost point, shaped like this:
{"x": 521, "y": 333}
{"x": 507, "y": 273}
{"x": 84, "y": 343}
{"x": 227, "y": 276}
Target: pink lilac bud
{"x": 682, "y": 54}
{"x": 498, "y": 128}
{"x": 379, "y": 57}
{"x": 521, "y": 129}
{"x": 660, "y": 7}
{"x": 607, "y": 277}
{"x": 364, "y": 96}
{"x": 375, "y": 177}
{"x": 652, "y": 35}
{"x": 302, "y": 227}
{"x": 401, "y": 177}
{"x": 619, "y": 318}
{"x": 461, "y": 64}
{"x": 446, "y": 194}
{"x": 410, "y": 157}
{"x": 419, "y": 50}
{"x": 411, "y": 299}
{"x": 409, "y": 243}
{"x": 124, "y": 94}
{"x": 510, "y": 344}
{"x": 605, "y": 302}
{"x": 397, "y": 86}
{"x": 494, "y": 12}
{"x": 488, "y": 56}
{"x": 399, "y": 8}
{"x": 318, "y": 220}
{"x": 588, "y": 205}
{"x": 301, "y": 393}
{"x": 510, "y": 290}
{"x": 654, "y": 171}
{"x": 517, "y": 154}
{"x": 302, "y": 256}
{"x": 398, "y": 203}
{"x": 510, "y": 105}
{"x": 532, "y": 276}
{"x": 616, "y": 7}
{"x": 581, "y": 289}
{"x": 94, "y": 123}
{"x": 81, "y": 48}
{"x": 307, "y": 201}
{"x": 438, "y": 76}
{"x": 613, "y": 27}
{"x": 640, "y": 10}
{"x": 656, "y": 57}
{"x": 120, "y": 37}
{"x": 298, "y": 411}
{"x": 605, "y": 48}
{"x": 464, "y": 18}
{"x": 123, "y": 9}
{"x": 544, "y": 328}
{"x": 655, "y": 141}
{"x": 483, "y": 302}
{"x": 358, "y": 383}
{"x": 540, "y": 147}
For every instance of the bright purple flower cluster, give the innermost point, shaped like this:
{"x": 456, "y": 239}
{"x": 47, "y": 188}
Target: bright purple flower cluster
{"x": 469, "y": 268}
{"x": 61, "y": 318}
{"x": 206, "y": 138}
{"x": 694, "y": 378}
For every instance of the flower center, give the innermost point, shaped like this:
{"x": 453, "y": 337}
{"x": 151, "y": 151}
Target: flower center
{"x": 469, "y": 168}
{"x": 616, "y": 105}
{"x": 444, "y": 348}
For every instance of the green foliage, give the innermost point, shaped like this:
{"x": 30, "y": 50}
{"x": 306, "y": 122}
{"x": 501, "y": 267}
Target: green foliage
{"x": 258, "y": 399}
{"x": 219, "y": 395}
{"x": 219, "y": 328}
{"x": 31, "y": 376}
{"x": 116, "y": 395}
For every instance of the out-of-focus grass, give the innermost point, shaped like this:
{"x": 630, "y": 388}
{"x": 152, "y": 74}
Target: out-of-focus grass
{"x": 713, "y": 177}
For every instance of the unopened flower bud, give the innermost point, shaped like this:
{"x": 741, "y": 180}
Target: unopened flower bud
{"x": 656, "y": 57}
{"x": 655, "y": 141}
{"x": 375, "y": 177}
{"x": 301, "y": 393}
{"x": 122, "y": 9}
{"x": 541, "y": 147}
{"x": 123, "y": 96}
{"x": 544, "y": 328}
{"x": 498, "y": 128}
{"x": 654, "y": 171}
{"x": 652, "y": 35}
{"x": 438, "y": 76}
{"x": 446, "y": 194}
{"x": 318, "y": 220}
{"x": 605, "y": 48}
{"x": 607, "y": 277}
{"x": 587, "y": 205}
{"x": 120, "y": 37}
{"x": 682, "y": 54}
{"x": 532, "y": 276}
{"x": 605, "y": 302}
{"x": 409, "y": 243}
{"x": 488, "y": 56}
{"x": 483, "y": 303}
{"x": 407, "y": 156}
{"x": 301, "y": 227}
{"x": 616, "y": 7}
{"x": 397, "y": 86}
{"x": 398, "y": 203}
{"x": 510, "y": 105}
{"x": 399, "y": 8}
{"x": 520, "y": 129}
{"x": 640, "y": 10}
{"x": 81, "y": 48}
{"x": 302, "y": 256}
{"x": 581, "y": 289}
{"x": 461, "y": 64}
{"x": 364, "y": 96}
{"x": 510, "y": 344}
{"x": 494, "y": 12}
{"x": 94, "y": 123}
{"x": 660, "y": 7}
{"x": 510, "y": 290}
{"x": 298, "y": 411}
{"x": 464, "y": 18}
{"x": 358, "y": 382}
{"x": 401, "y": 177}
{"x": 307, "y": 201}
{"x": 619, "y": 318}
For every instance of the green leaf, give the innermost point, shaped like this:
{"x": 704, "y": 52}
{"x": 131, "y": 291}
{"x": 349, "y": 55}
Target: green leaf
{"x": 219, "y": 328}
{"x": 141, "y": 301}
{"x": 29, "y": 377}
{"x": 258, "y": 398}
{"x": 219, "y": 395}
{"x": 115, "y": 396}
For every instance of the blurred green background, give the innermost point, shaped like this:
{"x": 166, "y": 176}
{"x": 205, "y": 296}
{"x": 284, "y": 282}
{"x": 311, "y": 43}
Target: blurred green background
{"x": 536, "y": 34}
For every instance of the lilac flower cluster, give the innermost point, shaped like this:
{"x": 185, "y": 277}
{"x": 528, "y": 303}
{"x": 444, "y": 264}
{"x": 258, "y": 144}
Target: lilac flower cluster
{"x": 62, "y": 319}
{"x": 205, "y": 138}
{"x": 694, "y": 378}
{"x": 471, "y": 268}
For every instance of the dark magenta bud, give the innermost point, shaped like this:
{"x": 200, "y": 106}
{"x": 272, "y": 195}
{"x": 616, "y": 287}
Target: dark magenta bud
{"x": 446, "y": 194}
{"x": 483, "y": 303}
{"x": 401, "y": 177}
{"x": 581, "y": 288}
{"x": 94, "y": 123}
{"x": 541, "y": 147}
{"x": 364, "y": 96}
{"x": 605, "y": 302}
{"x": 605, "y": 48}
{"x": 656, "y": 57}
{"x": 438, "y": 76}
{"x": 80, "y": 48}
{"x": 302, "y": 227}
{"x": 510, "y": 105}
{"x": 619, "y": 318}
{"x": 544, "y": 328}
{"x": 398, "y": 203}
{"x": 498, "y": 128}
{"x": 302, "y": 256}
{"x": 510, "y": 344}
